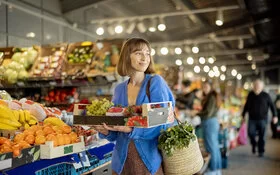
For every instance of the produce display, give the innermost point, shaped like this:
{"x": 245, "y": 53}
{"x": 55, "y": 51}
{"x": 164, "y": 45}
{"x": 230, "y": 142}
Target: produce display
{"x": 81, "y": 54}
{"x": 60, "y": 95}
{"x": 50, "y": 62}
{"x": 99, "y": 107}
{"x": 17, "y": 67}
{"x": 15, "y": 119}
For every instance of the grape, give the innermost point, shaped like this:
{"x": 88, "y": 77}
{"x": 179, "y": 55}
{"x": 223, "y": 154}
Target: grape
{"x": 99, "y": 107}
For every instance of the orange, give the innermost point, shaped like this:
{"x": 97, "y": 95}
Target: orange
{"x": 52, "y": 137}
{"x": 40, "y": 139}
{"x": 3, "y": 140}
{"x": 73, "y": 137}
{"x": 19, "y": 137}
{"x": 60, "y": 139}
{"x": 28, "y": 132}
{"x": 48, "y": 130}
{"x": 16, "y": 150}
{"x": 39, "y": 132}
{"x": 67, "y": 139}
{"x": 24, "y": 144}
{"x": 6, "y": 148}
{"x": 30, "y": 139}
{"x": 34, "y": 127}
{"x": 66, "y": 129}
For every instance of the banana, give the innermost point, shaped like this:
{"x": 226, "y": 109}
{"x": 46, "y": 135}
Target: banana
{"x": 27, "y": 115}
{"x": 6, "y": 113}
{"x": 32, "y": 117}
{"x": 21, "y": 116}
{"x": 54, "y": 121}
{"x": 7, "y": 127}
{"x": 26, "y": 126}
{"x": 10, "y": 122}
{"x": 16, "y": 114}
{"x": 32, "y": 122}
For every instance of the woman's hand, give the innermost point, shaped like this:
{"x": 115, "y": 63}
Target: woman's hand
{"x": 101, "y": 129}
{"x": 125, "y": 129}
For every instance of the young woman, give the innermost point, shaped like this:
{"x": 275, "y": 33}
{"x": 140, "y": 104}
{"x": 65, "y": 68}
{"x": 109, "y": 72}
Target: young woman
{"x": 136, "y": 149}
{"x": 210, "y": 127}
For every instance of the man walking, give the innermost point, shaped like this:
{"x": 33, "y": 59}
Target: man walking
{"x": 257, "y": 105}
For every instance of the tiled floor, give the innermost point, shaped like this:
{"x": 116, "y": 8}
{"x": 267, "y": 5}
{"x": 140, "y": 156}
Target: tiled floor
{"x": 243, "y": 162}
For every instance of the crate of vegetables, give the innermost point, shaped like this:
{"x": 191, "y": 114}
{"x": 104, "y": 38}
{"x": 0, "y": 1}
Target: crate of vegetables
{"x": 145, "y": 116}
{"x": 79, "y": 55}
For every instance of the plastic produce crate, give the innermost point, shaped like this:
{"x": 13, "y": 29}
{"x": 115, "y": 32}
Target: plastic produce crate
{"x": 68, "y": 169}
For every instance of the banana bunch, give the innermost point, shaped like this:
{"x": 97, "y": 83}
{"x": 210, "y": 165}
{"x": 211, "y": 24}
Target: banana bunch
{"x": 54, "y": 121}
{"x": 14, "y": 119}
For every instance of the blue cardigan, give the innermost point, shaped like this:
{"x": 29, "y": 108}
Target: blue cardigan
{"x": 145, "y": 139}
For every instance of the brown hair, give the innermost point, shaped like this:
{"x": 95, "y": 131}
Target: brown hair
{"x": 131, "y": 45}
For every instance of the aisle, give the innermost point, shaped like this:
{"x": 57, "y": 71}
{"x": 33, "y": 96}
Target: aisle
{"x": 243, "y": 162}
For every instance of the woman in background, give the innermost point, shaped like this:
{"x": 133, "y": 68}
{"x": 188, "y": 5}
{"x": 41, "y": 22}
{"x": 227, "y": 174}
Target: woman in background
{"x": 210, "y": 127}
{"x": 136, "y": 151}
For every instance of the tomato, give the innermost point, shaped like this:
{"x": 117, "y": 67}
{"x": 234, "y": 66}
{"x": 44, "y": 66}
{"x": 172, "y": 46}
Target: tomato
{"x": 51, "y": 93}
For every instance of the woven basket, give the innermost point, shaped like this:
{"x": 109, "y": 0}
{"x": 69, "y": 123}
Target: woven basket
{"x": 186, "y": 161}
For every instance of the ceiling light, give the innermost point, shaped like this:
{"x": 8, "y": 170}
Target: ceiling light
{"x": 119, "y": 29}
{"x": 220, "y": 18}
{"x": 234, "y": 72}
{"x": 141, "y": 27}
{"x": 30, "y": 35}
{"x": 189, "y": 74}
{"x": 239, "y": 76}
{"x": 161, "y": 26}
{"x": 196, "y": 69}
{"x": 153, "y": 25}
{"x": 240, "y": 43}
{"x": 254, "y": 66}
{"x": 178, "y": 62}
{"x": 100, "y": 31}
{"x": 249, "y": 57}
{"x": 195, "y": 49}
{"x": 164, "y": 51}
{"x": 223, "y": 68}
{"x": 217, "y": 73}
{"x": 201, "y": 60}
{"x": 211, "y": 60}
{"x": 211, "y": 73}
{"x": 223, "y": 77}
{"x": 190, "y": 60}
{"x": 153, "y": 52}
{"x": 215, "y": 68}
{"x": 246, "y": 85}
{"x": 130, "y": 27}
{"x": 206, "y": 68}
{"x": 178, "y": 50}
{"x": 203, "y": 79}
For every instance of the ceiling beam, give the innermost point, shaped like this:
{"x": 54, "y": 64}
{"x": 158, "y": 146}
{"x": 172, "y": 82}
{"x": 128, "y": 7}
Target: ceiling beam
{"x": 78, "y": 5}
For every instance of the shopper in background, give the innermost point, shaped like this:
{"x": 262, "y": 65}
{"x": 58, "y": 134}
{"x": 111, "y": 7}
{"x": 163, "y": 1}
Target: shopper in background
{"x": 210, "y": 126}
{"x": 257, "y": 105}
{"x": 136, "y": 150}
{"x": 272, "y": 124}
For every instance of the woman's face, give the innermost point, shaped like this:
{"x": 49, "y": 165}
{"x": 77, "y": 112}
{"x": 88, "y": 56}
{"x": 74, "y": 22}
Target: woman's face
{"x": 140, "y": 59}
{"x": 206, "y": 88}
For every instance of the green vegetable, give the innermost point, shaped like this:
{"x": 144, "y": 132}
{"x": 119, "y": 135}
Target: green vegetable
{"x": 176, "y": 138}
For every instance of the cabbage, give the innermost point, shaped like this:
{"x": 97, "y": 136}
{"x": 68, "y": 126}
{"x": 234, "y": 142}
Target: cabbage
{"x": 23, "y": 74}
{"x": 12, "y": 77}
{"x": 31, "y": 55}
{"x": 7, "y": 73}
{"x": 16, "y": 56}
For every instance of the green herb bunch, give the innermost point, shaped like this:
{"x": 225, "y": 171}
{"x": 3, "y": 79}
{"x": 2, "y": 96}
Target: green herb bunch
{"x": 176, "y": 138}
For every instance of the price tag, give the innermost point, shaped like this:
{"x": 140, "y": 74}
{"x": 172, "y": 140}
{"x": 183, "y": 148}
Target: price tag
{"x": 20, "y": 83}
{"x": 78, "y": 163}
{"x": 53, "y": 83}
{"x": 84, "y": 159}
{"x": 110, "y": 77}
